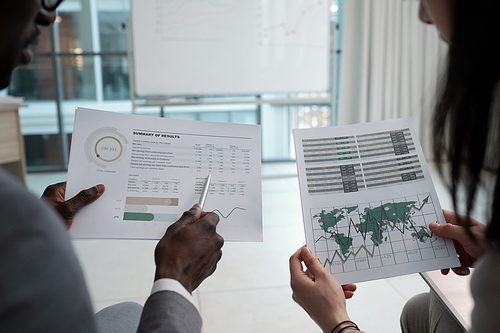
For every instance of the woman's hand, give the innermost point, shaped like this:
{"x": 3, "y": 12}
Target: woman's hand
{"x": 468, "y": 250}
{"x": 321, "y": 296}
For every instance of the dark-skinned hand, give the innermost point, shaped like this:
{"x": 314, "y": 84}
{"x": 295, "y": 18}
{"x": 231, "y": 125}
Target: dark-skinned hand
{"x": 54, "y": 195}
{"x": 190, "y": 249}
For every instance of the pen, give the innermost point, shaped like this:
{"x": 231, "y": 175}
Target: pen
{"x": 204, "y": 192}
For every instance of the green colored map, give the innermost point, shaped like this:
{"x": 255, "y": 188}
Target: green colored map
{"x": 374, "y": 223}
{"x": 328, "y": 222}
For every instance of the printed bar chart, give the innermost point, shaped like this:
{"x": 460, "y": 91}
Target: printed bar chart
{"x": 149, "y": 209}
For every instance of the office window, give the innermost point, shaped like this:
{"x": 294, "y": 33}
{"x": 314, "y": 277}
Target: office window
{"x": 311, "y": 116}
{"x": 115, "y": 78}
{"x": 112, "y": 16}
{"x": 35, "y": 82}
{"x": 78, "y": 76}
{"x": 73, "y": 27}
{"x": 82, "y": 62}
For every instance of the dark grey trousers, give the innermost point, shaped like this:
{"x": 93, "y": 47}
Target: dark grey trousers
{"x": 425, "y": 313}
{"x": 119, "y": 318}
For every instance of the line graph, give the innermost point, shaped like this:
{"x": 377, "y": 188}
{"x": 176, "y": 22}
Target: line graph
{"x": 384, "y": 223}
{"x": 188, "y": 16}
{"x": 175, "y": 7}
{"x": 226, "y": 216}
{"x": 329, "y": 261}
{"x": 287, "y": 23}
{"x": 364, "y": 236}
{"x": 345, "y": 242}
{"x": 289, "y": 28}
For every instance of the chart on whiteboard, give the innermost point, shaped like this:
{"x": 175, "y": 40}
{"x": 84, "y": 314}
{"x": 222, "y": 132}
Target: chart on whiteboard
{"x": 278, "y": 23}
{"x": 367, "y": 200}
{"x": 287, "y": 23}
{"x": 275, "y": 40}
{"x": 182, "y": 20}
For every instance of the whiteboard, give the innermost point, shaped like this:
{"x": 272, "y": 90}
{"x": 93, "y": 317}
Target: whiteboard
{"x": 214, "y": 47}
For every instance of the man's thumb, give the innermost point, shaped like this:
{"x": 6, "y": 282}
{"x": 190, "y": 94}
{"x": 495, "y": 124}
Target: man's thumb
{"x": 190, "y": 216}
{"x": 85, "y": 197}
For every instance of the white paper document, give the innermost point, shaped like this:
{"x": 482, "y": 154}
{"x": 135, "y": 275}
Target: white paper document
{"x": 154, "y": 169}
{"x": 367, "y": 200}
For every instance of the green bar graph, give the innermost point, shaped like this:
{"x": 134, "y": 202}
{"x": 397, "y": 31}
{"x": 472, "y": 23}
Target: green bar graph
{"x": 147, "y": 217}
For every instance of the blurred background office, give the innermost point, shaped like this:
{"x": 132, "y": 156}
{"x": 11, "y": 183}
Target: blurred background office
{"x": 82, "y": 62}
{"x": 383, "y": 65}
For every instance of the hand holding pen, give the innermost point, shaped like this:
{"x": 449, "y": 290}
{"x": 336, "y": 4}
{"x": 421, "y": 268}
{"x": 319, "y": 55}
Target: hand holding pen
{"x": 191, "y": 247}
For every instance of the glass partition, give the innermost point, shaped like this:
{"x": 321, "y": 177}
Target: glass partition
{"x": 84, "y": 57}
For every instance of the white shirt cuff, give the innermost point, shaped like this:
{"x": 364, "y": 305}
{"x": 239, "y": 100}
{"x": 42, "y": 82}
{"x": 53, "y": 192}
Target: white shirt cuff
{"x": 175, "y": 286}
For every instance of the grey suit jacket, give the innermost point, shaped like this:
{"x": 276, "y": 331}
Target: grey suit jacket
{"x": 41, "y": 284}
{"x": 42, "y": 288}
{"x": 167, "y": 311}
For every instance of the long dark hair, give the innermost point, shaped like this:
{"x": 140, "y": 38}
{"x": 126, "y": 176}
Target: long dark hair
{"x": 467, "y": 116}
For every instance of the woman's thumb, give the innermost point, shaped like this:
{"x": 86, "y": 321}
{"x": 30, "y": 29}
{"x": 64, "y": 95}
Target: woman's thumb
{"x": 312, "y": 263}
{"x": 447, "y": 230}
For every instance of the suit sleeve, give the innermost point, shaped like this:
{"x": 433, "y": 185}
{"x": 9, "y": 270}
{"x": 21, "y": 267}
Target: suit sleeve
{"x": 167, "y": 311}
{"x": 42, "y": 288}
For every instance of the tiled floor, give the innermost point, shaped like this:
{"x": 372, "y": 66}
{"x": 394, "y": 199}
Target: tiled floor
{"x": 250, "y": 290}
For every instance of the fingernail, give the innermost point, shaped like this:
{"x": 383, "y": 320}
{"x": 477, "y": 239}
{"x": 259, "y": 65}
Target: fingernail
{"x": 433, "y": 225}
{"x": 100, "y": 188}
{"x": 306, "y": 251}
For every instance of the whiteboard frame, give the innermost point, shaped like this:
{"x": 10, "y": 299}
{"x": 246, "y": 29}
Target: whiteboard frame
{"x": 285, "y": 80}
